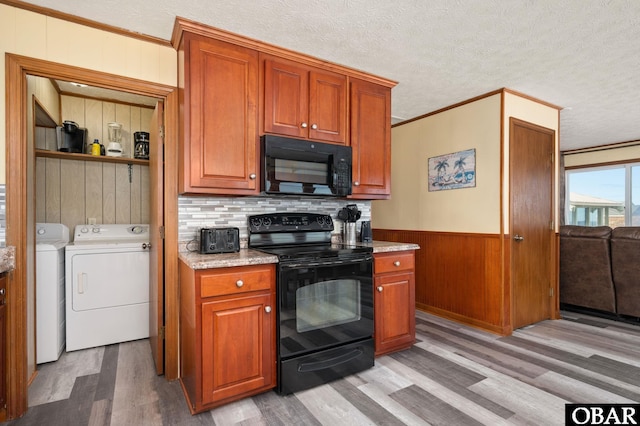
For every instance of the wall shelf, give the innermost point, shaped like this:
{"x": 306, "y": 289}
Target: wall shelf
{"x": 88, "y": 157}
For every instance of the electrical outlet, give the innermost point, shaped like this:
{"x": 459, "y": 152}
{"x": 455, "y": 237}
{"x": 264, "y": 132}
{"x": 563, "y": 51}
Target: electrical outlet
{"x": 91, "y": 221}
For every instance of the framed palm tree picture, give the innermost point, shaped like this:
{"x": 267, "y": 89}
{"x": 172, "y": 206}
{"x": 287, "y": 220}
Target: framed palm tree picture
{"x": 453, "y": 171}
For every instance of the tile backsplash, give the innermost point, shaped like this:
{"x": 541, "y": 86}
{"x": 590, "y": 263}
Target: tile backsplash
{"x": 219, "y": 212}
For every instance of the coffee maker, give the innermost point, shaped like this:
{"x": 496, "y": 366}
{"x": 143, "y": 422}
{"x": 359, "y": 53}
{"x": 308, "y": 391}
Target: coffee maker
{"x": 71, "y": 137}
{"x": 141, "y": 149}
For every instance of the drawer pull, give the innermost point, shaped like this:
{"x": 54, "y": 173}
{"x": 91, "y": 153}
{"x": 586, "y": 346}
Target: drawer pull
{"x": 267, "y": 309}
{"x": 239, "y": 283}
{"x": 396, "y": 263}
{"x": 379, "y": 288}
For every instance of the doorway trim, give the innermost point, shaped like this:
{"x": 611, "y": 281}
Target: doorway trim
{"x": 18, "y": 234}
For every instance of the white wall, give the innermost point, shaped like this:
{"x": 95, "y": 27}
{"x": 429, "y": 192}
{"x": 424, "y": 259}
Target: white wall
{"x": 623, "y": 154}
{"x": 412, "y": 206}
{"x": 533, "y": 112}
{"x": 38, "y": 36}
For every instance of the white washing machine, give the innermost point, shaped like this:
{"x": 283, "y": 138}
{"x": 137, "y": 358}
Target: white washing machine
{"x": 107, "y": 282}
{"x": 51, "y": 240}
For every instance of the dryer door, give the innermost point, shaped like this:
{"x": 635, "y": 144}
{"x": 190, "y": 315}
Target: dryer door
{"x": 105, "y": 280}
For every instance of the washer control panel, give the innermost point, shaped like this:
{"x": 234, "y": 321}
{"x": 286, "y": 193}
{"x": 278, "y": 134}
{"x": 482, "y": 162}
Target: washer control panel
{"x": 111, "y": 233}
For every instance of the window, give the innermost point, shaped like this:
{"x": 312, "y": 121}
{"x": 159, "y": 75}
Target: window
{"x": 607, "y": 195}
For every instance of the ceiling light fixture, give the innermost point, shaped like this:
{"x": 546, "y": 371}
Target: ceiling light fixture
{"x": 78, "y": 84}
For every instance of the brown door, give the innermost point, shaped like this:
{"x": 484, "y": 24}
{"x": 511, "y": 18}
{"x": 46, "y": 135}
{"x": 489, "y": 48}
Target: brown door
{"x": 531, "y": 176}
{"x": 156, "y": 222}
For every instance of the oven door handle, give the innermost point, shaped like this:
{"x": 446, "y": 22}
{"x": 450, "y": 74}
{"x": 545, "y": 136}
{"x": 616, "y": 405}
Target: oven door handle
{"x": 308, "y": 367}
{"x": 332, "y": 262}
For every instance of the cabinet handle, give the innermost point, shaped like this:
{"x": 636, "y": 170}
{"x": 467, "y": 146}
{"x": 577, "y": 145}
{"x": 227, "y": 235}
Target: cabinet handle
{"x": 239, "y": 283}
{"x": 379, "y": 288}
{"x": 304, "y": 125}
{"x": 252, "y": 176}
{"x": 267, "y": 309}
{"x": 396, "y": 263}
{"x": 2, "y": 291}
{"x": 356, "y": 183}
{"x": 314, "y": 126}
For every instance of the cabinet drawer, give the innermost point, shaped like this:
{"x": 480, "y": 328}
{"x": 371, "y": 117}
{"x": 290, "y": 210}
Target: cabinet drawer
{"x": 224, "y": 281}
{"x": 392, "y": 262}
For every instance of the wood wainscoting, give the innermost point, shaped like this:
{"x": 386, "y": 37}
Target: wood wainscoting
{"x": 460, "y": 276}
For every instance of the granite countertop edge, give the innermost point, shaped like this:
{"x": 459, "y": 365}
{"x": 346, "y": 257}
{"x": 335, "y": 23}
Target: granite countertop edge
{"x": 247, "y": 257}
{"x": 7, "y": 259}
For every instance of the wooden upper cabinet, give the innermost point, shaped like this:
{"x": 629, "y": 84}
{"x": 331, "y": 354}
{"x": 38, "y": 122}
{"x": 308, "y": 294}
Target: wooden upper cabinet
{"x": 370, "y": 139}
{"x": 304, "y": 102}
{"x": 219, "y": 117}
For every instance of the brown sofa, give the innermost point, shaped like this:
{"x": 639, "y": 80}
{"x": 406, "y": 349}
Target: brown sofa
{"x": 625, "y": 265}
{"x": 586, "y": 279}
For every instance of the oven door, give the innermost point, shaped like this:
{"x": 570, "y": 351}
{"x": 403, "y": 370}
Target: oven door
{"x": 324, "y": 304}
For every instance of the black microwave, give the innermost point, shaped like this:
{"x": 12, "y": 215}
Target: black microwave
{"x": 300, "y": 167}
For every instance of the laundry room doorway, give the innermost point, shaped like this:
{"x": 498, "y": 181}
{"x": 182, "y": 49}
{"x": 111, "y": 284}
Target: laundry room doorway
{"x": 21, "y": 211}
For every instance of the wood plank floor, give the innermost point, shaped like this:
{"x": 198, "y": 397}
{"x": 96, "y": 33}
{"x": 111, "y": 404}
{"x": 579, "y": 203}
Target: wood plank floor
{"x": 453, "y": 375}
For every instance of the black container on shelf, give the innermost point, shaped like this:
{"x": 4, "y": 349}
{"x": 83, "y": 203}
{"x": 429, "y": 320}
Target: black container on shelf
{"x": 141, "y": 145}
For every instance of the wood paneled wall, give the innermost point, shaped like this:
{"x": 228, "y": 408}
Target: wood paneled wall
{"x": 71, "y": 191}
{"x": 459, "y": 276}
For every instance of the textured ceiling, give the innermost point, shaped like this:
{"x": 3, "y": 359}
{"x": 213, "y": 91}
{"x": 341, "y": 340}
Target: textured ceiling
{"x": 581, "y": 55}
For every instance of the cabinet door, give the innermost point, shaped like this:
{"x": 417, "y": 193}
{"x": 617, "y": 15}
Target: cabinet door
{"x": 328, "y": 107}
{"x": 220, "y": 112}
{"x": 371, "y": 139}
{"x": 395, "y": 322}
{"x": 238, "y": 347}
{"x": 3, "y": 343}
{"x": 304, "y": 103}
{"x": 286, "y": 99}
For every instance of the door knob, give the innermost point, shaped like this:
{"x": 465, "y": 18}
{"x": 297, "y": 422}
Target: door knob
{"x": 518, "y": 238}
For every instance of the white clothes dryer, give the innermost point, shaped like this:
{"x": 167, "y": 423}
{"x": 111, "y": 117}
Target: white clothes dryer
{"x": 107, "y": 282}
{"x": 51, "y": 240}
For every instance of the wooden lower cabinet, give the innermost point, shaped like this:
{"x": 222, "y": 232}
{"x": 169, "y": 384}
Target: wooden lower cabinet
{"x": 228, "y": 347}
{"x": 394, "y": 299}
{"x": 3, "y": 343}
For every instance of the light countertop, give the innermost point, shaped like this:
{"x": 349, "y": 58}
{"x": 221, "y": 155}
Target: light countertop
{"x": 7, "y": 258}
{"x": 247, "y": 257}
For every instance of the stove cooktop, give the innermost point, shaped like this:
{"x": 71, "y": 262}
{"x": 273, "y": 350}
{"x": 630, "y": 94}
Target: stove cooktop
{"x": 315, "y": 251}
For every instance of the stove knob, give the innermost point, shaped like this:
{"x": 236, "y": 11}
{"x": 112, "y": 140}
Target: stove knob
{"x": 84, "y": 230}
{"x": 255, "y": 222}
{"x": 41, "y": 231}
{"x": 266, "y": 221}
{"x": 239, "y": 283}
{"x": 95, "y": 230}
